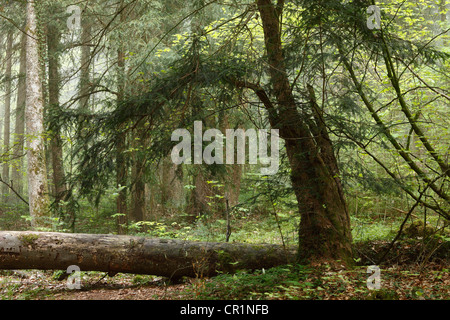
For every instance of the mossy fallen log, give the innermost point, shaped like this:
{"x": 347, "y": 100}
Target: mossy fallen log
{"x": 137, "y": 255}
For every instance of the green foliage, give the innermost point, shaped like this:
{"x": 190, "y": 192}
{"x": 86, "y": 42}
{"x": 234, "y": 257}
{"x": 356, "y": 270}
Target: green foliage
{"x": 143, "y": 280}
{"x": 245, "y": 285}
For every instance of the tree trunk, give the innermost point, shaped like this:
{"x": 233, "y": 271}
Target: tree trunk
{"x": 53, "y": 40}
{"x": 137, "y": 255}
{"x": 121, "y": 164}
{"x": 1, "y": 120}
{"x": 19, "y": 129}
{"x": 7, "y": 119}
{"x": 200, "y": 195}
{"x": 37, "y": 175}
{"x": 233, "y": 176}
{"x": 84, "y": 84}
{"x": 324, "y": 232}
{"x": 137, "y": 174}
{"x": 172, "y": 189}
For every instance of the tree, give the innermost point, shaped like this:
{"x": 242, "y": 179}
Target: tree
{"x": 37, "y": 173}
{"x": 86, "y": 59}
{"x": 121, "y": 163}
{"x": 7, "y": 116}
{"x": 54, "y": 79}
{"x": 325, "y": 222}
{"x": 19, "y": 128}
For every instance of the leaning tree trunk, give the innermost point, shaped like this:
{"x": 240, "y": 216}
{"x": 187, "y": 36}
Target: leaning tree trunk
{"x": 137, "y": 255}
{"x": 324, "y": 232}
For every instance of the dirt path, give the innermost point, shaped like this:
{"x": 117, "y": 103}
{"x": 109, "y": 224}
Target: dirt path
{"x": 139, "y": 293}
{"x": 43, "y": 285}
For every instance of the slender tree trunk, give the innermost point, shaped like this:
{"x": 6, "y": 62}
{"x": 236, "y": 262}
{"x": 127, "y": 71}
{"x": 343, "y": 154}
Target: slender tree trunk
{"x": 121, "y": 179}
{"x": 37, "y": 175}
{"x": 233, "y": 184}
{"x": 137, "y": 176}
{"x": 121, "y": 170}
{"x": 19, "y": 129}
{"x": 234, "y": 174}
{"x": 1, "y": 120}
{"x": 443, "y": 17}
{"x": 56, "y": 150}
{"x": 7, "y": 119}
{"x": 324, "y": 232}
{"x": 200, "y": 196}
{"x": 84, "y": 83}
{"x": 172, "y": 190}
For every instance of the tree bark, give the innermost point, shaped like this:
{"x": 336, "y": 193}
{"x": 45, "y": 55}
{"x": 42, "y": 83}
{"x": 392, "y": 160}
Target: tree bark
{"x": 137, "y": 174}
{"x": 84, "y": 83}
{"x": 53, "y": 41}
{"x": 19, "y": 128}
{"x": 137, "y": 255}
{"x": 7, "y": 115}
{"x": 121, "y": 145}
{"x": 37, "y": 173}
{"x": 171, "y": 185}
{"x": 1, "y": 120}
{"x": 324, "y": 232}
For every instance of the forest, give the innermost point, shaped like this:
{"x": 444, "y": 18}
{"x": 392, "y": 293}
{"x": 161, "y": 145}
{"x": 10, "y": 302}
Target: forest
{"x": 224, "y": 150}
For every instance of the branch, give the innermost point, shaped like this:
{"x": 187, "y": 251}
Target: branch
{"x": 423, "y": 81}
{"x": 403, "y": 223}
{"x": 12, "y": 189}
{"x": 401, "y": 151}
{"x": 395, "y": 82}
{"x": 262, "y": 95}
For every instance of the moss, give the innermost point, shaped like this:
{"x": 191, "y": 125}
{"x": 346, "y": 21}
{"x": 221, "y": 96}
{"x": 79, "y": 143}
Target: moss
{"x": 383, "y": 294}
{"x": 225, "y": 261}
{"x": 418, "y": 229}
{"x": 28, "y": 239}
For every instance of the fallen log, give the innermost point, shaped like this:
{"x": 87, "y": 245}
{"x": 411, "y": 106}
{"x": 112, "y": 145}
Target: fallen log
{"x": 137, "y": 255}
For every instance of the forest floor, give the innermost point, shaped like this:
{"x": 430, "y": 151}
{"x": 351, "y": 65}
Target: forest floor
{"x": 415, "y": 268}
{"x": 401, "y": 279}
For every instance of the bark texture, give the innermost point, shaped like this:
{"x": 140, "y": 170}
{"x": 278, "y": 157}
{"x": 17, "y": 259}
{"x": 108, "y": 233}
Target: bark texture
{"x": 56, "y": 143}
{"x": 121, "y": 145}
{"x": 19, "y": 129}
{"x": 137, "y": 255}
{"x": 7, "y": 115}
{"x": 37, "y": 173}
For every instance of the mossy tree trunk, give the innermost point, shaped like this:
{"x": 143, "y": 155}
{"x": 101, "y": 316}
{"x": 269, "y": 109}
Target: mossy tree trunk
{"x": 37, "y": 173}
{"x": 324, "y": 232}
{"x": 128, "y": 254}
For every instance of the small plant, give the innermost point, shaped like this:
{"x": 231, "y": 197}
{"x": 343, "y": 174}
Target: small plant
{"x": 279, "y": 282}
{"x": 142, "y": 280}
